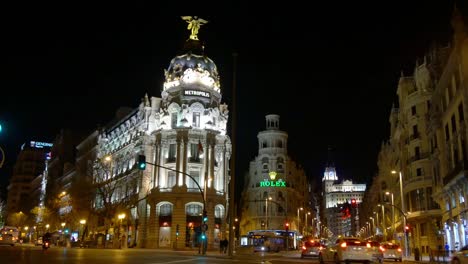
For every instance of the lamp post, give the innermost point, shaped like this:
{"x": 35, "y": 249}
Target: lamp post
{"x": 306, "y": 224}
{"x": 82, "y": 222}
{"x": 298, "y": 218}
{"x": 384, "y": 227}
{"x": 373, "y": 225}
{"x": 121, "y": 217}
{"x": 393, "y": 212}
{"x": 266, "y": 211}
{"x": 403, "y": 211}
{"x": 63, "y": 233}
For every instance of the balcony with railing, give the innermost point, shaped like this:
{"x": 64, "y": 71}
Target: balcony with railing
{"x": 420, "y": 156}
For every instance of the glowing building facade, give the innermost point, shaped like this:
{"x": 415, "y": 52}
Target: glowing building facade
{"x": 276, "y": 187}
{"x": 184, "y": 133}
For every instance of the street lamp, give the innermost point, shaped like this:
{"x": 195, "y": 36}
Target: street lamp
{"x": 306, "y": 224}
{"x": 384, "y": 228}
{"x": 403, "y": 210}
{"x": 82, "y": 222}
{"x": 373, "y": 225}
{"x": 393, "y": 212}
{"x": 298, "y": 218}
{"x": 121, "y": 217}
{"x": 266, "y": 212}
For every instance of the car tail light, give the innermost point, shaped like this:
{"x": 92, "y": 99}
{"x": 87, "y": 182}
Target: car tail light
{"x": 343, "y": 245}
{"x": 304, "y": 248}
{"x": 399, "y": 249}
{"x": 382, "y": 248}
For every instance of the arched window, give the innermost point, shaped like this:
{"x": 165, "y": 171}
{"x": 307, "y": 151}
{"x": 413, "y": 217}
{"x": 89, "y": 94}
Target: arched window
{"x": 165, "y": 210}
{"x": 279, "y": 144}
{"x": 193, "y": 209}
{"x": 219, "y": 211}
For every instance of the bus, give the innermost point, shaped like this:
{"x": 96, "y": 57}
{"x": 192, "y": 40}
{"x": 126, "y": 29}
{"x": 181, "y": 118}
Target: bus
{"x": 270, "y": 240}
{"x": 10, "y": 230}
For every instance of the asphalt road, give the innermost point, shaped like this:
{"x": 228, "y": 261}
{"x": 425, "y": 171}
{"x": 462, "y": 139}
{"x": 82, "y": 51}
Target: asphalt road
{"x": 30, "y": 254}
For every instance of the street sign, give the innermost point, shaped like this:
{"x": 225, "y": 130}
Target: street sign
{"x": 204, "y": 227}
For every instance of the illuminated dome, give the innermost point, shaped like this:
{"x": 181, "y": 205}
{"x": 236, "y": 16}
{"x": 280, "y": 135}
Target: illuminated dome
{"x": 190, "y": 68}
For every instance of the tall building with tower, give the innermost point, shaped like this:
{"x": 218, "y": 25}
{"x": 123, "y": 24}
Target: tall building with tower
{"x": 182, "y": 136}
{"x": 276, "y": 188}
{"x": 340, "y": 204}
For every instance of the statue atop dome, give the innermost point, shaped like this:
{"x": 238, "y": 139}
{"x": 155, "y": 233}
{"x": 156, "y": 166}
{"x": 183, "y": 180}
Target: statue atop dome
{"x": 194, "y": 24}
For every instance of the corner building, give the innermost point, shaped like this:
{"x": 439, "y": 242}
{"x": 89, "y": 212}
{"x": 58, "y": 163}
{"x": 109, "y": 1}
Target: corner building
{"x": 276, "y": 186}
{"x": 184, "y": 133}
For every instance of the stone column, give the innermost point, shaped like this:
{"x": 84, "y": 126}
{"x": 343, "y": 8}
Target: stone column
{"x": 178, "y": 218}
{"x": 178, "y": 156}
{"x": 152, "y": 239}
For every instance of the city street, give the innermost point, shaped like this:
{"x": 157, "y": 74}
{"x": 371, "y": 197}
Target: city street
{"x": 30, "y": 254}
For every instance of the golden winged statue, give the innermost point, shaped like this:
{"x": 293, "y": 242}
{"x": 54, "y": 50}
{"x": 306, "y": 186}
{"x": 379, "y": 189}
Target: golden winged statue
{"x": 194, "y": 24}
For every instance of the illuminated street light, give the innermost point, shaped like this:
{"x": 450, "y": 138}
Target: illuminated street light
{"x": 266, "y": 212}
{"x": 121, "y": 217}
{"x": 298, "y": 218}
{"x": 393, "y": 211}
{"x": 403, "y": 209}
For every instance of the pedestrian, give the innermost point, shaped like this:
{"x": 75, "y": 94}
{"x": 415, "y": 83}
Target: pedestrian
{"x": 225, "y": 245}
{"x": 447, "y": 248}
{"x": 221, "y": 246}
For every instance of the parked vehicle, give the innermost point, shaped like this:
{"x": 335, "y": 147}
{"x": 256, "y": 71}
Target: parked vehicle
{"x": 392, "y": 251}
{"x": 349, "y": 249}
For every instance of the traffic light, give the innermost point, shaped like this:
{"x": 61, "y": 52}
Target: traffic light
{"x": 177, "y": 230}
{"x": 141, "y": 162}
{"x": 203, "y": 236}
{"x": 353, "y": 203}
{"x": 286, "y": 226}
{"x": 205, "y": 216}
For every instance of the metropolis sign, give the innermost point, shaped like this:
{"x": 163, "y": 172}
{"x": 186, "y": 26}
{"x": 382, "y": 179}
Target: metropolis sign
{"x": 197, "y": 93}
{"x": 268, "y": 183}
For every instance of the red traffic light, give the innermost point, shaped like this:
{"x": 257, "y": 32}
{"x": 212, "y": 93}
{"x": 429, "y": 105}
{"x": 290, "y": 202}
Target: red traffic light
{"x": 353, "y": 202}
{"x": 286, "y": 226}
{"x": 407, "y": 229}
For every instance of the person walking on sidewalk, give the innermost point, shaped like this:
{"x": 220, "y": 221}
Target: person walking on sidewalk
{"x": 225, "y": 245}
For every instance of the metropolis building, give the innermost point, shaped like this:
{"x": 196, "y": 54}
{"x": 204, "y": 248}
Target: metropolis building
{"x": 276, "y": 187}
{"x": 184, "y": 134}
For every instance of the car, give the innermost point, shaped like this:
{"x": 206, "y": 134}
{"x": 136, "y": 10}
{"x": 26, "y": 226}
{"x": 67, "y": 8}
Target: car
{"x": 349, "y": 249}
{"x": 461, "y": 256}
{"x": 377, "y": 249}
{"x": 38, "y": 241}
{"x": 311, "y": 248}
{"x": 392, "y": 251}
{"x": 7, "y": 239}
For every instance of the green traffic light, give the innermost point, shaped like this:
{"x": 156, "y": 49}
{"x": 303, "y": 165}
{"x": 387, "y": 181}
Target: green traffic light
{"x": 0, "y": 128}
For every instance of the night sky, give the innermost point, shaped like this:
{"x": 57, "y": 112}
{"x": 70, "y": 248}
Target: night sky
{"x": 330, "y": 71}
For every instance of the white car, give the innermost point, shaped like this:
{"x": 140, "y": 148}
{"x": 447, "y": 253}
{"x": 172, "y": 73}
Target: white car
{"x": 392, "y": 251}
{"x": 347, "y": 250}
